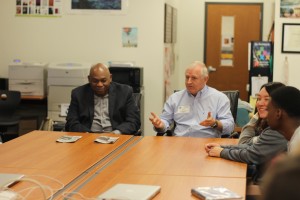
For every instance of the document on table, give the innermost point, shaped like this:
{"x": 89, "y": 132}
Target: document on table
{"x": 68, "y": 139}
{"x": 106, "y": 139}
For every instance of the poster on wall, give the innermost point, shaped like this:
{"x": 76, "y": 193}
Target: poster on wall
{"x": 290, "y": 38}
{"x": 256, "y": 83}
{"x": 290, "y": 8}
{"x": 227, "y": 41}
{"x": 97, "y": 6}
{"x": 129, "y": 37}
{"x": 39, "y": 8}
{"x": 261, "y": 54}
{"x": 227, "y": 44}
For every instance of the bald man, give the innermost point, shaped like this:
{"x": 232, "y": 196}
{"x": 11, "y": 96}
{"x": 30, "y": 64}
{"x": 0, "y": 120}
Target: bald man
{"x": 103, "y": 106}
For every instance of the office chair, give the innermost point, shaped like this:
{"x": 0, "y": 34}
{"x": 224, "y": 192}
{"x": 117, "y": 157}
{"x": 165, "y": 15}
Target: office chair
{"x": 9, "y": 101}
{"x": 137, "y": 98}
{"x": 233, "y": 96}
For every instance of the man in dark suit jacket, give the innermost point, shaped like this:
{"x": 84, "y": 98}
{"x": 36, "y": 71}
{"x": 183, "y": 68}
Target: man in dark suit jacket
{"x": 103, "y": 105}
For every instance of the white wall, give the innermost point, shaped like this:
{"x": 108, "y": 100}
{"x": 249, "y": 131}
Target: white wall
{"x": 279, "y": 58}
{"x": 89, "y": 38}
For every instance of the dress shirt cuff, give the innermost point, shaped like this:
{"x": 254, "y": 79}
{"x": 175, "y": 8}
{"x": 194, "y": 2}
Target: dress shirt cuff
{"x": 160, "y": 130}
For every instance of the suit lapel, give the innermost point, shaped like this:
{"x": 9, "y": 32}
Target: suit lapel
{"x": 111, "y": 99}
{"x": 90, "y": 103}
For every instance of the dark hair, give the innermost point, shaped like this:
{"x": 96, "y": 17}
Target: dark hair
{"x": 261, "y": 124}
{"x": 288, "y": 99}
{"x": 271, "y": 86}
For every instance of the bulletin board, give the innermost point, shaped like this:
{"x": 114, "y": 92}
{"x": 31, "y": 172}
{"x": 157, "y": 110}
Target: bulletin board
{"x": 39, "y": 8}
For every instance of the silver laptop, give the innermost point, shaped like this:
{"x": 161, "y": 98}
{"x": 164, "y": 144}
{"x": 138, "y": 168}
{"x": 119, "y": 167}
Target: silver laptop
{"x": 8, "y": 179}
{"x": 130, "y": 192}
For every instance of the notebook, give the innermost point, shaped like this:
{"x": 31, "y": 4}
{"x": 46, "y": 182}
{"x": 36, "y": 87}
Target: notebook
{"x": 130, "y": 192}
{"x": 8, "y": 179}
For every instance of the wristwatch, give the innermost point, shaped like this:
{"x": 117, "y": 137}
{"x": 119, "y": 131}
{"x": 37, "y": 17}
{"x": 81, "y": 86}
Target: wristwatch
{"x": 215, "y": 125}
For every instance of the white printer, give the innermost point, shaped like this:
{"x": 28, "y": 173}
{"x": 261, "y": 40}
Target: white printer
{"x": 62, "y": 79}
{"x": 28, "y": 77}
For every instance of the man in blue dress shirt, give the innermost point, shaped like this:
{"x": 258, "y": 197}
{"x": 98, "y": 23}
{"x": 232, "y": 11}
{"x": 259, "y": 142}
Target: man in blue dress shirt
{"x": 198, "y": 110}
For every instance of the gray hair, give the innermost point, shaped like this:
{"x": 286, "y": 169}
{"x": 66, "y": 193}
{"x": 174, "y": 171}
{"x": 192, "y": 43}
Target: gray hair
{"x": 203, "y": 67}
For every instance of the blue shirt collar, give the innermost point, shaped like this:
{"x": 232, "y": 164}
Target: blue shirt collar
{"x": 200, "y": 92}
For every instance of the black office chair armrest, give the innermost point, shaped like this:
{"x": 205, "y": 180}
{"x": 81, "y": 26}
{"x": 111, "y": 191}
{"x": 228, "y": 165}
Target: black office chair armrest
{"x": 138, "y": 133}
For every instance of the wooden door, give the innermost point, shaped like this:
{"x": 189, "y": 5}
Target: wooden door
{"x": 247, "y": 27}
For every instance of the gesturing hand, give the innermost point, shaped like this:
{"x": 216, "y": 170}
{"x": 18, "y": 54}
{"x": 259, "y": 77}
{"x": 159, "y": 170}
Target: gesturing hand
{"x": 156, "y": 121}
{"x": 209, "y": 121}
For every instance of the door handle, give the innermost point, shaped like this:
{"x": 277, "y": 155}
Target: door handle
{"x": 211, "y": 69}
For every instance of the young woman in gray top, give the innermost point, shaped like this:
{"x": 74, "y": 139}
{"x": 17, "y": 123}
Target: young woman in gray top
{"x": 258, "y": 122}
{"x": 262, "y": 144}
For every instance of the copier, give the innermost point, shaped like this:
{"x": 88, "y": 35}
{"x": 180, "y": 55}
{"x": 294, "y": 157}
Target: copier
{"x": 62, "y": 79}
{"x": 28, "y": 78}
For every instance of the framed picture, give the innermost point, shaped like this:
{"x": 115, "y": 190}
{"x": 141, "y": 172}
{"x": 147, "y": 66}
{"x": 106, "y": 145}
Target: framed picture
{"x": 290, "y": 38}
{"x": 174, "y": 25}
{"x": 99, "y": 6}
{"x": 261, "y": 54}
{"x": 168, "y": 24}
{"x": 290, "y": 8}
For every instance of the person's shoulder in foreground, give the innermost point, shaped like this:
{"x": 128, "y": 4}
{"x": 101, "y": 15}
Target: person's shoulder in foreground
{"x": 282, "y": 180}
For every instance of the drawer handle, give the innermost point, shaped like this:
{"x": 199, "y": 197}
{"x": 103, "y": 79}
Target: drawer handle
{"x": 27, "y": 92}
{"x": 26, "y": 83}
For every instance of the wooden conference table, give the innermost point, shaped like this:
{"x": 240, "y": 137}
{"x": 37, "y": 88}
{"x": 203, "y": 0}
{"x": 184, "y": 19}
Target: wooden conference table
{"x": 177, "y": 164}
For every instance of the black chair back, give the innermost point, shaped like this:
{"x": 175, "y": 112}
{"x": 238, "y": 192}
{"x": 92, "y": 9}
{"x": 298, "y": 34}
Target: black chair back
{"x": 137, "y": 98}
{"x": 233, "y": 96}
{"x": 9, "y": 101}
